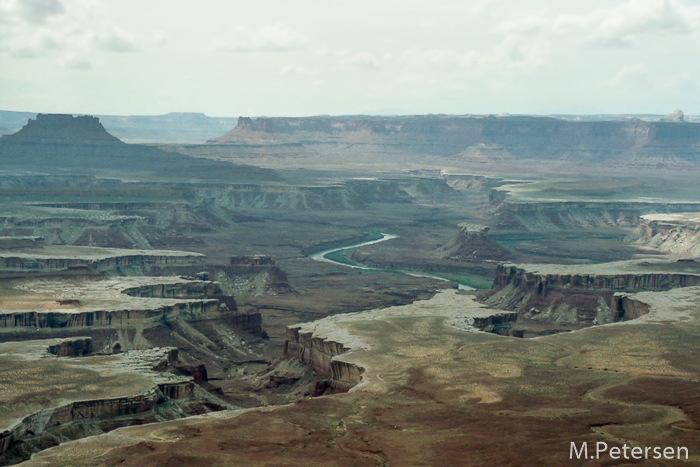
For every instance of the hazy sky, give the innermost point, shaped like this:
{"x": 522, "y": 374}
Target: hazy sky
{"x": 307, "y": 57}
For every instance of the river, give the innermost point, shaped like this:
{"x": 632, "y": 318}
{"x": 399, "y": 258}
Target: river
{"x": 321, "y": 256}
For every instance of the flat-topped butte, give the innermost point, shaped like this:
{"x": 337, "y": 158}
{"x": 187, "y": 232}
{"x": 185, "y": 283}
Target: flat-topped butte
{"x": 116, "y": 294}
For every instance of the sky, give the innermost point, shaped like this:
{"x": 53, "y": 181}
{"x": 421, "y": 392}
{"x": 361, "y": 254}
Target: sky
{"x": 313, "y": 57}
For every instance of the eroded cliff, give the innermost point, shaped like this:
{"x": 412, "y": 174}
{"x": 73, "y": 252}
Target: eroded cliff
{"x": 678, "y": 234}
{"x": 581, "y": 295}
{"x": 339, "y": 348}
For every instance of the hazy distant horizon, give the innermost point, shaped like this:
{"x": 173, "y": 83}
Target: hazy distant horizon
{"x": 235, "y": 116}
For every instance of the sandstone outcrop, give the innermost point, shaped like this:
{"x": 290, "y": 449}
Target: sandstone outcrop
{"x": 253, "y": 260}
{"x": 678, "y": 234}
{"x": 675, "y": 116}
{"x": 124, "y": 307}
{"x": 79, "y": 347}
{"x": 124, "y": 410}
{"x": 473, "y": 243}
{"x": 250, "y": 275}
{"x": 580, "y": 295}
{"x": 261, "y": 129}
{"x": 117, "y": 391}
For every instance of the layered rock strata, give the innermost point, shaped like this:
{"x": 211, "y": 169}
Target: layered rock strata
{"x": 9, "y": 243}
{"x": 96, "y": 258}
{"x": 78, "y": 347}
{"x": 123, "y": 304}
{"x": 141, "y": 391}
{"x": 583, "y": 294}
{"x": 677, "y": 234}
{"x": 549, "y": 215}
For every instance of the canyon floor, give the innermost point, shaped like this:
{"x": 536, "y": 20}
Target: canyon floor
{"x": 553, "y": 301}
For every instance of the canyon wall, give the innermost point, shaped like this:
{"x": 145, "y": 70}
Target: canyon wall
{"x": 34, "y": 320}
{"x": 571, "y": 215}
{"x": 653, "y": 144}
{"x": 319, "y": 352}
{"x": 584, "y": 297}
{"x": 100, "y": 409}
{"x": 672, "y": 233}
{"x": 99, "y": 260}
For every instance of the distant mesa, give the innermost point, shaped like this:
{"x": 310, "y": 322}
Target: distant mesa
{"x": 675, "y": 116}
{"x": 63, "y": 129}
{"x": 259, "y": 129}
{"x": 486, "y": 140}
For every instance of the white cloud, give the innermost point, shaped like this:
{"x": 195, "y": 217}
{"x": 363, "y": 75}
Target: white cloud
{"x": 4, "y": 13}
{"x": 272, "y": 38}
{"x": 511, "y": 54}
{"x": 524, "y": 26}
{"x": 299, "y": 70}
{"x": 442, "y": 59}
{"x": 115, "y": 40}
{"x": 615, "y": 26}
{"x": 37, "y": 11}
{"x": 628, "y": 74}
{"x": 160, "y": 39}
{"x": 364, "y": 61}
{"x": 76, "y": 62}
{"x": 623, "y": 24}
{"x": 34, "y": 46}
